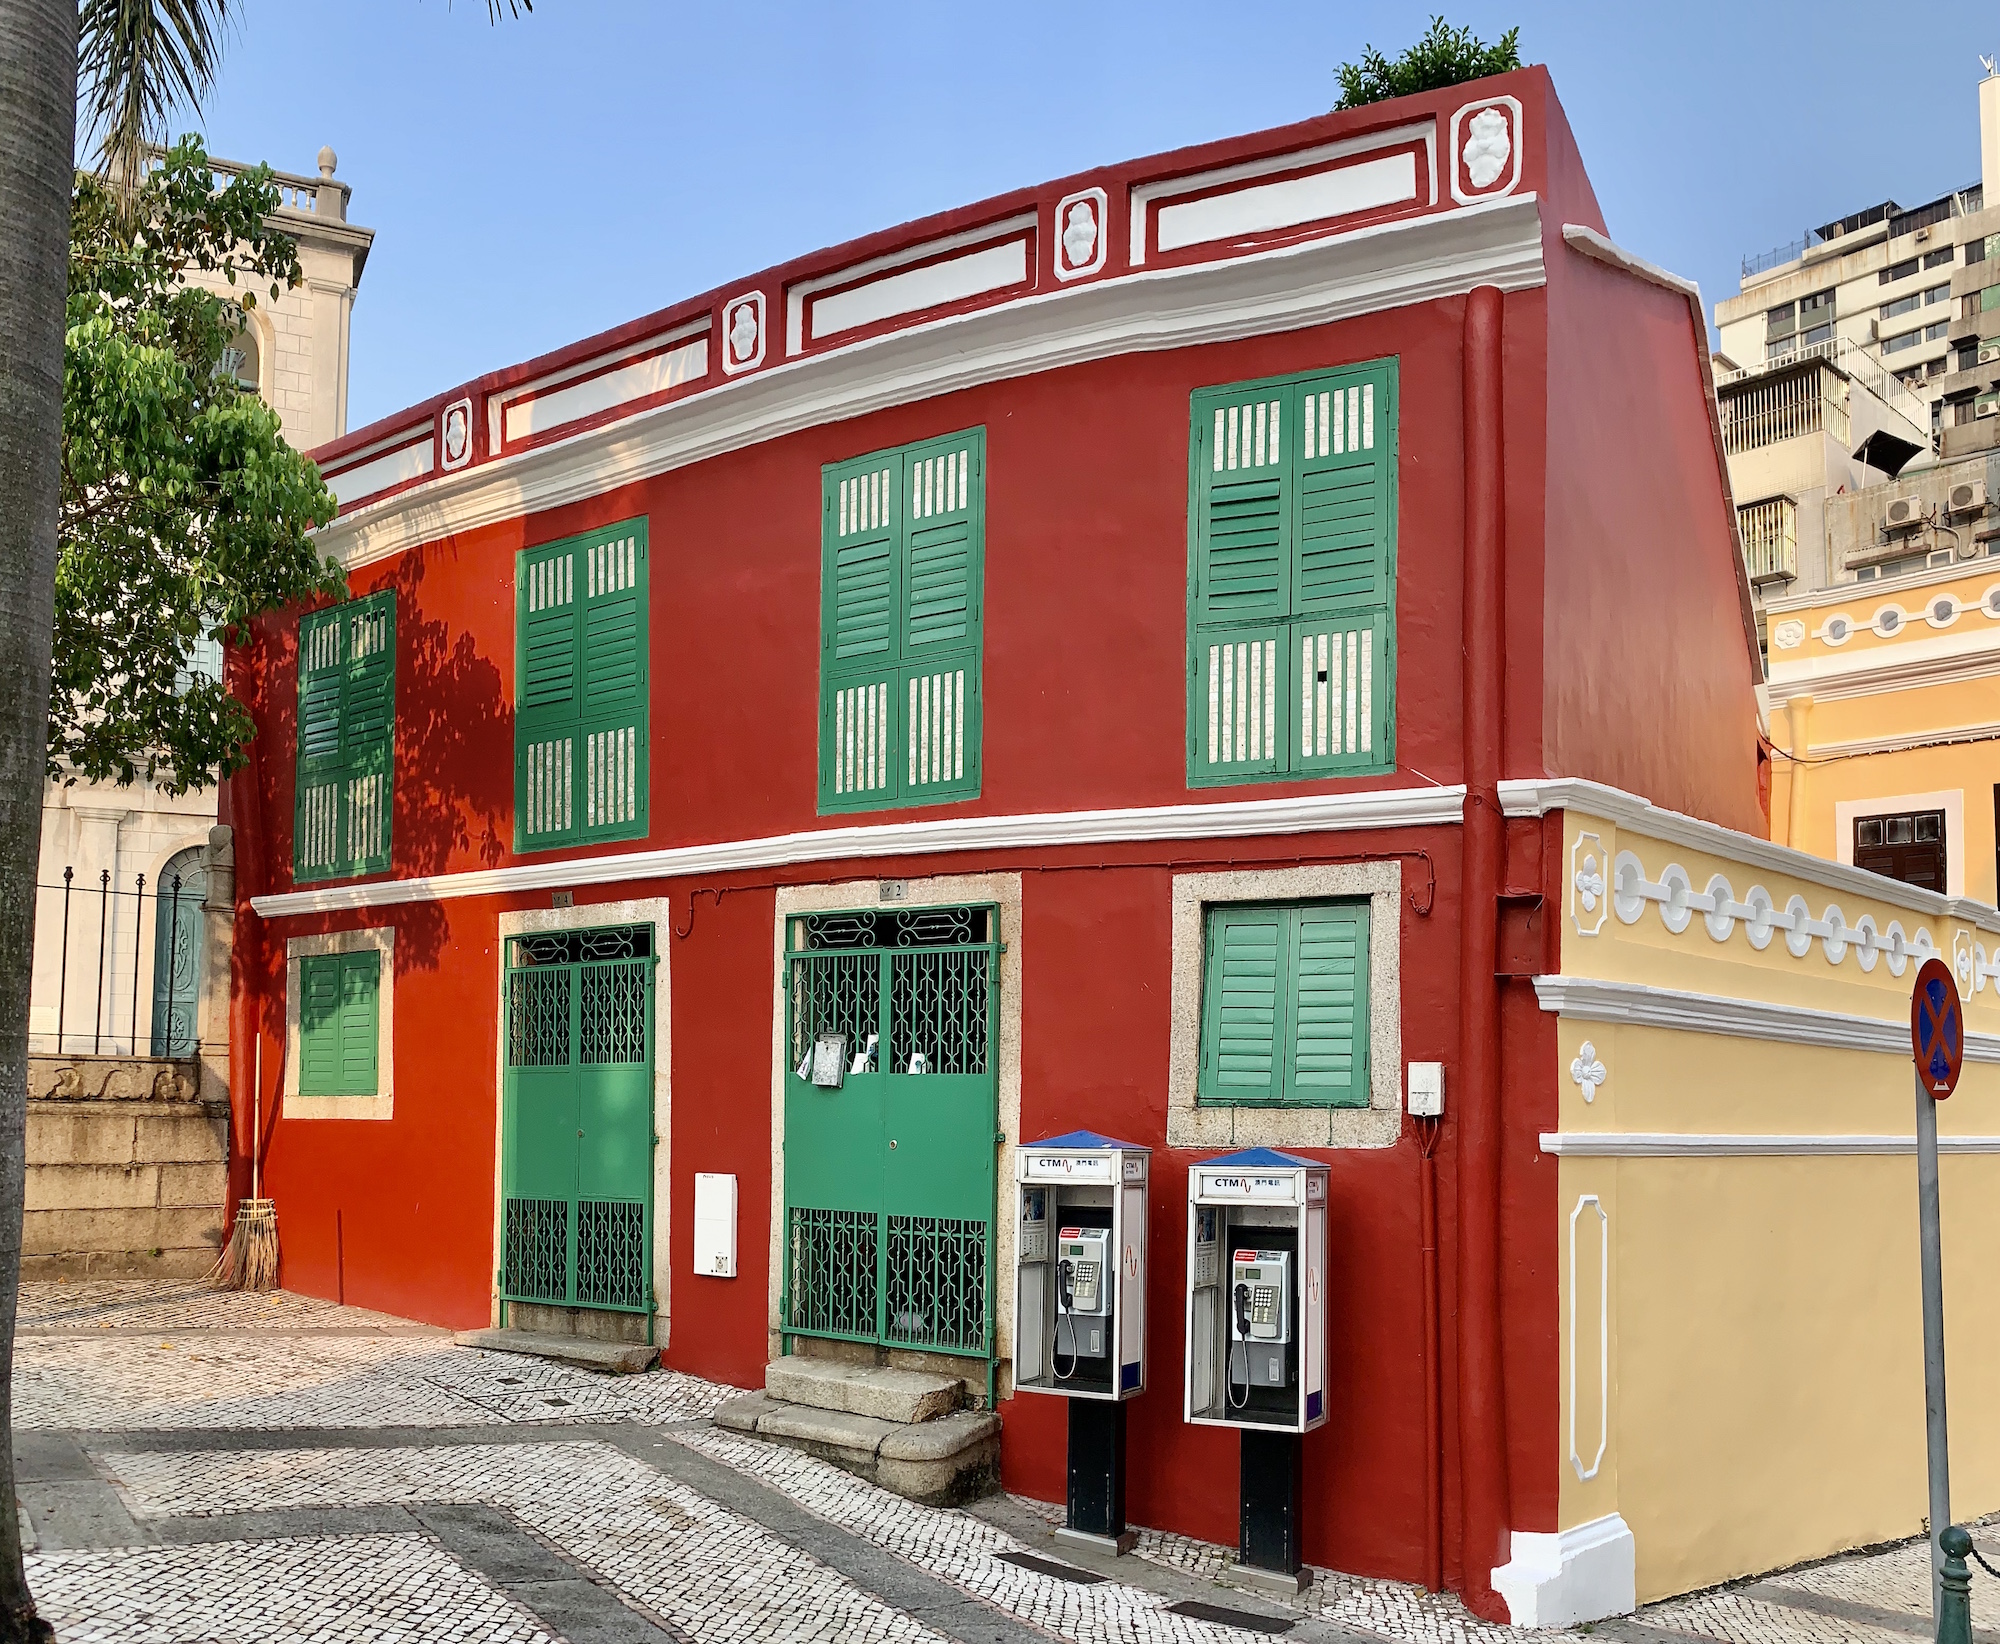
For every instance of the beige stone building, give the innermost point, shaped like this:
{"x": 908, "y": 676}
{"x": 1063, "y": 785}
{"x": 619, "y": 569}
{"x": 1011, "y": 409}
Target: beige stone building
{"x": 129, "y": 1022}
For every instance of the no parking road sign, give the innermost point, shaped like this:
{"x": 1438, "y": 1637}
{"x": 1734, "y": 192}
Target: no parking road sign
{"x": 1937, "y": 1029}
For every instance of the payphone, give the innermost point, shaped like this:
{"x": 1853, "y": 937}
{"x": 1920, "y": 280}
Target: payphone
{"x": 1080, "y": 1309}
{"x": 1256, "y": 1334}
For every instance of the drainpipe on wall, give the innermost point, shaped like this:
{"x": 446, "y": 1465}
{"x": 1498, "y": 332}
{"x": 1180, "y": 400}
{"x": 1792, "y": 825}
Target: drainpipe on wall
{"x": 1798, "y": 721}
{"x": 1482, "y": 1408}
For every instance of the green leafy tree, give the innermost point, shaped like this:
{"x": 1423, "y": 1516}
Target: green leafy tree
{"x": 1445, "y": 56}
{"x": 184, "y": 512}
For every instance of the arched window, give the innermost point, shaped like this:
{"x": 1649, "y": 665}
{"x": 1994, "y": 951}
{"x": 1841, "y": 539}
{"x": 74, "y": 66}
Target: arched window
{"x": 240, "y": 359}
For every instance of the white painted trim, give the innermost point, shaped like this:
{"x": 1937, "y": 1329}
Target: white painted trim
{"x": 1951, "y": 801}
{"x": 1634, "y": 1004}
{"x": 856, "y": 274}
{"x": 1311, "y": 282}
{"x": 1944, "y": 736}
{"x": 1315, "y": 813}
{"x": 1289, "y": 202}
{"x": 950, "y": 280}
{"x": 1144, "y": 196}
{"x": 1653, "y": 1144}
{"x": 1896, "y": 665}
{"x": 1586, "y": 1474}
{"x": 380, "y": 940}
{"x": 1582, "y": 1574}
{"x": 525, "y": 415}
{"x": 406, "y": 462}
{"x": 1059, "y": 253}
{"x": 1625, "y": 810}
{"x": 1600, "y": 249}
{"x": 1453, "y": 153}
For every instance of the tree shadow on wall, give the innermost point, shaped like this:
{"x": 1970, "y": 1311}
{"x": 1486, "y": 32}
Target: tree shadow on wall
{"x": 454, "y": 792}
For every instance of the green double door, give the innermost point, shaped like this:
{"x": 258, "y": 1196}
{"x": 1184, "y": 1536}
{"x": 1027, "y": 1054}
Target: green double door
{"x": 577, "y": 1119}
{"x": 889, "y": 1173}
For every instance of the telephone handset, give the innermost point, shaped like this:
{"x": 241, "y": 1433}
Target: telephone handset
{"x": 1239, "y": 1354}
{"x": 1066, "y": 1285}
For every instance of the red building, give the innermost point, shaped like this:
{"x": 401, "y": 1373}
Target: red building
{"x": 1075, "y": 639}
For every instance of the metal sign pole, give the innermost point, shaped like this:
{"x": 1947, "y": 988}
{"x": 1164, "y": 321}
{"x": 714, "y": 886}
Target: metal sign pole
{"x": 1937, "y": 1049}
{"x": 1933, "y": 1275}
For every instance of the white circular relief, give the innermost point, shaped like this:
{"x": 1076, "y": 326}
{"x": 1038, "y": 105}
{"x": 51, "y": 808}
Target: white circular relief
{"x": 1989, "y": 602}
{"x": 1943, "y": 612}
{"x": 1836, "y": 630}
{"x": 1889, "y": 619}
{"x": 1789, "y": 636}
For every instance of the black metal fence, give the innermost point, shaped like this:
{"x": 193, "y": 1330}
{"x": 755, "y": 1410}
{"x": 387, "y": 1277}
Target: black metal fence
{"x": 117, "y": 971}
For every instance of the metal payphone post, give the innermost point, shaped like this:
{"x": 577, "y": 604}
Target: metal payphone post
{"x": 1080, "y": 1309}
{"x": 1256, "y": 1335}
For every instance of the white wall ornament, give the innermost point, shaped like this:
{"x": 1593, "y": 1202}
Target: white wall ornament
{"x": 1969, "y": 961}
{"x": 1789, "y": 636}
{"x": 456, "y": 443}
{"x": 1989, "y": 603}
{"x": 1591, "y": 1202}
{"x": 1485, "y": 150}
{"x": 743, "y": 333}
{"x": 1080, "y": 233}
{"x": 1889, "y": 619}
{"x": 1588, "y": 905}
{"x": 1837, "y": 629}
{"x": 1587, "y": 1072}
{"x": 1673, "y": 893}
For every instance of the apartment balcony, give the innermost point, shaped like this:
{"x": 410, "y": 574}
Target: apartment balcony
{"x": 1803, "y": 396}
{"x": 1769, "y": 530}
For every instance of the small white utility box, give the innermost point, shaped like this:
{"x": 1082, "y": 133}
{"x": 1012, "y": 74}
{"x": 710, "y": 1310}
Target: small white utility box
{"x": 714, "y": 1226}
{"x": 1427, "y": 1090}
{"x": 1080, "y": 1267}
{"x": 1256, "y": 1292}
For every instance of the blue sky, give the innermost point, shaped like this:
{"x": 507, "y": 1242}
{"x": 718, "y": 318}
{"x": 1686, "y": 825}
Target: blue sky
{"x": 533, "y": 182}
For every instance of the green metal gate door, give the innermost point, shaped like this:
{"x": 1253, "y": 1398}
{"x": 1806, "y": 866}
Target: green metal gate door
{"x": 577, "y": 1120}
{"x": 889, "y": 1177}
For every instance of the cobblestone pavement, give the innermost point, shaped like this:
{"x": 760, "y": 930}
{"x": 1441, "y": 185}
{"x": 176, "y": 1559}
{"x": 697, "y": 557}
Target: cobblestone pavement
{"x": 272, "y": 1469}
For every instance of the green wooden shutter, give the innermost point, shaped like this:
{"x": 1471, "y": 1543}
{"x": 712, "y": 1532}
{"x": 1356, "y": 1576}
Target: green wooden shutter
{"x": 581, "y": 756}
{"x": 901, "y": 585}
{"x": 1326, "y": 1050}
{"x": 346, "y": 739}
{"x": 1291, "y": 576}
{"x": 938, "y": 689}
{"x": 1341, "y": 657}
{"x": 368, "y": 732}
{"x": 316, "y": 810}
{"x": 360, "y": 990}
{"x": 1244, "y": 1005}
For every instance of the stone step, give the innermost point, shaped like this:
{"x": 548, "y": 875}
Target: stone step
{"x": 944, "y": 1461}
{"x": 876, "y": 1391}
{"x": 616, "y": 1358}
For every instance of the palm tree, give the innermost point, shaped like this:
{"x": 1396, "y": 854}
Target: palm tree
{"x": 141, "y": 61}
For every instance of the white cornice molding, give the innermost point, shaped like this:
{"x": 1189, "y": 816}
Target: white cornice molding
{"x": 1869, "y": 673}
{"x": 1388, "y": 265}
{"x": 1653, "y": 1144}
{"x": 1600, "y": 249}
{"x": 1539, "y": 796}
{"x": 1945, "y": 736}
{"x": 1244, "y": 819}
{"x": 1633, "y": 1004}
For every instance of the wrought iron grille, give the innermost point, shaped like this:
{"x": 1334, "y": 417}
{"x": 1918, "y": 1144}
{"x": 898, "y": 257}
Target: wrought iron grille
{"x": 938, "y": 1009}
{"x": 90, "y": 996}
{"x": 612, "y": 1011}
{"x": 611, "y": 1254}
{"x": 937, "y": 1283}
{"x": 832, "y": 1279}
{"x": 537, "y": 1239}
{"x": 538, "y": 1018}
{"x": 834, "y": 993}
{"x": 901, "y": 928}
{"x": 574, "y": 947}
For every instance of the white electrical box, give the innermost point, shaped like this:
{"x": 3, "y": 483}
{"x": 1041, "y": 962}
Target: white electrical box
{"x": 714, "y": 1226}
{"x": 1080, "y": 1267}
{"x": 1427, "y": 1090}
{"x": 1256, "y": 1292}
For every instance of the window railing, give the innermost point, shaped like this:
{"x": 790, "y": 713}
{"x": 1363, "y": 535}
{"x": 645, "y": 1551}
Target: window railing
{"x": 1770, "y": 539}
{"x": 117, "y": 971}
{"x": 1783, "y": 408}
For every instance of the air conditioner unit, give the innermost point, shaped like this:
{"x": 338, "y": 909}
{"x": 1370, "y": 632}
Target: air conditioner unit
{"x": 1903, "y": 513}
{"x": 1967, "y": 498}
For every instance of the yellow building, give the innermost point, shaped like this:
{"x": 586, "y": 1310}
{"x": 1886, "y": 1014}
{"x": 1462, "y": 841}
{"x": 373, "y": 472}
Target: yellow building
{"x": 1884, "y": 688}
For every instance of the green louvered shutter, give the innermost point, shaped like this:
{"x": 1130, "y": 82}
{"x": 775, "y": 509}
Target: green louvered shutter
{"x": 903, "y": 547}
{"x": 613, "y": 776}
{"x": 1244, "y": 1006}
{"x": 346, "y": 739}
{"x": 581, "y": 700}
{"x": 321, "y": 769}
{"x": 938, "y": 690}
{"x": 368, "y": 732}
{"x": 360, "y": 990}
{"x": 1291, "y": 574}
{"x": 1345, "y": 572}
{"x": 1326, "y": 1048}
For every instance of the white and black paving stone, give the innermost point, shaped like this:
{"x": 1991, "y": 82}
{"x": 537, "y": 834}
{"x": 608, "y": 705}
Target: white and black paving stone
{"x": 273, "y": 1469}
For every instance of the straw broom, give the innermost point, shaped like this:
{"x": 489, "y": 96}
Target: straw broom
{"x": 249, "y": 1261}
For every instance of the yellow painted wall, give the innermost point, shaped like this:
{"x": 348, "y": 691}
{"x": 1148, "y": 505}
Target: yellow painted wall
{"x": 1765, "y": 1385}
{"x": 1827, "y": 725}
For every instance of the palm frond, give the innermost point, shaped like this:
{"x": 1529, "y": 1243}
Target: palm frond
{"x": 140, "y": 61}
{"x": 514, "y": 8}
